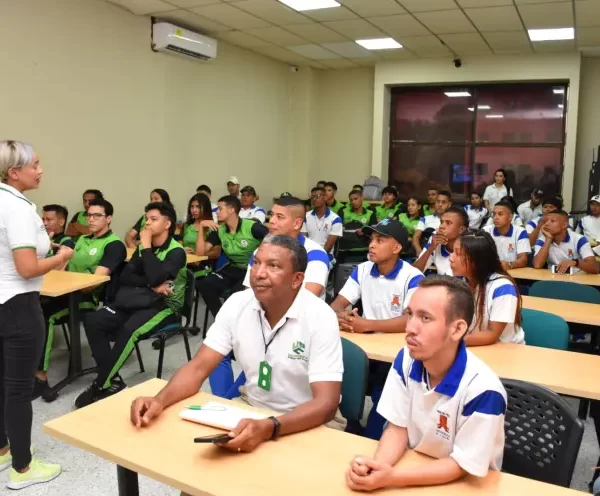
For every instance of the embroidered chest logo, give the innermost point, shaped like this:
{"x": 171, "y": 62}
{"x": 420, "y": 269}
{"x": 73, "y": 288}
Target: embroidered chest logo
{"x": 93, "y": 251}
{"x": 244, "y": 243}
{"x": 390, "y": 215}
{"x": 570, "y": 255}
{"x": 511, "y": 247}
{"x": 442, "y": 430}
{"x": 396, "y": 306}
{"x": 298, "y": 348}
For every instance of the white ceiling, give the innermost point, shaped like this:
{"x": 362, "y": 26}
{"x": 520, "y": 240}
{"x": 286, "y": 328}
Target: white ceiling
{"x": 426, "y": 28}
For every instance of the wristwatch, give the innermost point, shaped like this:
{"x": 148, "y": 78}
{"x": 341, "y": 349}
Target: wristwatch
{"x": 276, "y": 427}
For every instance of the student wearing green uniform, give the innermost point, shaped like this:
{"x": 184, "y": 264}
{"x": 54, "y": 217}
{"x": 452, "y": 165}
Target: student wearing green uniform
{"x": 199, "y": 209}
{"x": 151, "y": 293}
{"x": 133, "y": 236}
{"x": 79, "y": 223}
{"x": 355, "y": 213}
{"x": 100, "y": 252}
{"x": 55, "y": 219}
{"x": 238, "y": 238}
{"x": 429, "y": 207}
{"x": 330, "y": 200}
{"x": 391, "y": 208}
{"x": 413, "y": 215}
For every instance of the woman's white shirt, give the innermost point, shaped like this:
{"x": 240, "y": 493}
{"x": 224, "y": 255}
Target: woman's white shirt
{"x": 493, "y": 194}
{"x": 20, "y": 227}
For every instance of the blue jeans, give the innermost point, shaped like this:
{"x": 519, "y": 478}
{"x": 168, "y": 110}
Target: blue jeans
{"x": 221, "y": 380}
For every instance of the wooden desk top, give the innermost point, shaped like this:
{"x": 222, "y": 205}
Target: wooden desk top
{"x": 191, "y": 258}
{"x": 313, "y": 460}
{"x": 560, "y": 371}
{"x": 545, "y": 275}
{"x": 60, "y": 282}
{"x": 572, "y": 311}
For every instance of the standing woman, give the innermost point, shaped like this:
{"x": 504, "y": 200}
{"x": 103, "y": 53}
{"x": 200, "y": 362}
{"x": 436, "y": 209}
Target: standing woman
{"x": 132, "y": 239}
{"x": 24, "y": 244}
{"x": 499, "y": 189}
{"x": 497, "y": 299}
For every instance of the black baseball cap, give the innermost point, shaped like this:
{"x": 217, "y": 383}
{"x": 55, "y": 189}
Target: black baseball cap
{"x": 538, "y": 193}
{"x": 391, "y": 228}
{"x": 248, "y": 189}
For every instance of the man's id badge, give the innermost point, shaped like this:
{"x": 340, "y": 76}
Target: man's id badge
{"x": 264, "y": 376}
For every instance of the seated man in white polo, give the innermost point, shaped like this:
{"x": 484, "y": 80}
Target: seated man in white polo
{"x": 249, "y": 209}
{"x": 442, "y": 203}
{"x": 439, "y": 398}
{"x": 285, "y": 339}
{"x": 589, "y": 225}
{"x": 384, "y": 285}
{"x": 322, "y": 224}
{"x": 568, "y": 250}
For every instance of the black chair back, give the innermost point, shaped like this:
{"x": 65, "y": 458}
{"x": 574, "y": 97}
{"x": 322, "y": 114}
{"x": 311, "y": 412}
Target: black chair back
{"x": 543, "y": 434}
{"x": 341, "y": 275}
{"x": 188, "y": 304}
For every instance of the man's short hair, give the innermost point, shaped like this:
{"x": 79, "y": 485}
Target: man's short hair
{"x": 204, "y": 187}
{"x": 358, "y": 186}
{"x": 105, "y": 204}
{"x": 554, "y": 201}
{"x": 96, "y": 192}
{"x": 232, "y": 202}
{"x": 59, "y": 210}
{"x": 391, "y": 190}
{"x": 331, "y": 184}
{"x": 166, "y": 210}
{"x": 562, "y": 213}
{"x": 433, "y": 188}
{"x": 506, "y": 204}
{"x": 460, "y": 211}
{"x": 290, "y": 201}
{"x": 317, "y": 188}
{"x": 355, "y": 192}
{"x": 297, "y": 251}
{"x": 444, "y": 192}
{"x": 460, "y": 304}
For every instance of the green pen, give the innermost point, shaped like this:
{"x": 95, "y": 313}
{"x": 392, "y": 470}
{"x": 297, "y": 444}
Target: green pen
{"x": 206, "y": 408}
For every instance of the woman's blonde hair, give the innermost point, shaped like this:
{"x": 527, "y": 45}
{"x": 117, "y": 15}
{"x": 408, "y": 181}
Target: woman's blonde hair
{"x": 14, "y": 154}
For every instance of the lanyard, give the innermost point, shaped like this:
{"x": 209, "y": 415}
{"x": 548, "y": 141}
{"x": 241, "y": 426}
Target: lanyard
{"x": 274, "y": 335}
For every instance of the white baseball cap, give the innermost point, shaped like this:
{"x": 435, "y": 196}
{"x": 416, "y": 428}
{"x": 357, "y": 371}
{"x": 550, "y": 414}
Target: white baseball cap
{"x": 233, "y": 180}
{"x": 595, "y": 199}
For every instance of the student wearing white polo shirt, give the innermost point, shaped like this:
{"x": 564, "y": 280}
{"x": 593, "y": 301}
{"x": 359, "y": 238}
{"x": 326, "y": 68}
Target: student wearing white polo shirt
{"x": 560, "y": 246}
{"x": 384, "y": 284}
{"x": 534, "y": 226}
{"x": 322, "y": 225}
{"x": 476, "y": 211}
{"x": 441, "y": 245}
{"x": 439, "y": 399}
{"x": 532, "y": 208}
{"x": 511, "y": 241}
{"x": 285, "y": 339}
{"x": 589, "y": 225}
{"x": 497, "y": 298}
{"x": 497, "y": 190}
{"x": 515, "y": 219}
{"x": 442, "y": 203}
{"x": 249, "y": 209}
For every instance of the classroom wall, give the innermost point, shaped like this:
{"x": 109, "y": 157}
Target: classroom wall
{"x": 80, "y": 83}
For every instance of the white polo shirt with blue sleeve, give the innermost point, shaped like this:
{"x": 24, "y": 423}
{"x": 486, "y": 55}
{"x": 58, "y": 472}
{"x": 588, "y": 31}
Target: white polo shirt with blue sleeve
{"x": 500, "y": 305}
{"x": 532, "y": 224}
{"x": 573, "y": 247}
{"x": 476, "y": 216}
{"x": 320, "y": 228}
{"x": 461, "y": 418}
{"x": 215, "y": 209}
{"x": 511, "y": 244}
{"x": 317, "y": 269}
{"x": 429, "y": 221}
{"x": 254, "y": 212}
{"x": 383, "y": 296}
{"x": 440, "y": 258}
{"x": 589, "y": 226}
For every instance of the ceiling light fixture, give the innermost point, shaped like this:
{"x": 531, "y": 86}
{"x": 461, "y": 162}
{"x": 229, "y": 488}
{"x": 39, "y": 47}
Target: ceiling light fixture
{"x": 494, "y": 116}
{"x": 480, "y": 107}
{"x": 301, "y": 5}
{"x": 558, "y": 91}
{"x": 561, "y": 106}
{"x": 379, "y": 44}
{"x": 551, "y": 34}
{"x": 457, "y": 94}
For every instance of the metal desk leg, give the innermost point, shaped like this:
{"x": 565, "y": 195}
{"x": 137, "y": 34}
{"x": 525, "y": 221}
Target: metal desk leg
{"x": 128, "y": 482}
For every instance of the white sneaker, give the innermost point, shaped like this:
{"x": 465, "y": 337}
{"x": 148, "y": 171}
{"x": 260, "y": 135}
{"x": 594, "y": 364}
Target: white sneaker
{"x": 38, "y": 473}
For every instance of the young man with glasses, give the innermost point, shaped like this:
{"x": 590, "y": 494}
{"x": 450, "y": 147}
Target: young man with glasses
{"x": 100, "y": 252}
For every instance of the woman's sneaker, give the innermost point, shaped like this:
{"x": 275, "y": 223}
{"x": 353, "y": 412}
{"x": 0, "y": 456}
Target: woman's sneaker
{"x": 6, "y": 460}
{"x": 38, "y": 473}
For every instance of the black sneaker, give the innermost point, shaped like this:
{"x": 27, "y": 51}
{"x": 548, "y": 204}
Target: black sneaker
{"x": 39, "y": 388}
{"x": 89, "y": 396}
{"x": 117, "y": 385}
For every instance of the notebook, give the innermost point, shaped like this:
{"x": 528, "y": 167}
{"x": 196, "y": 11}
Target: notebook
{"x": 226, "y": 417}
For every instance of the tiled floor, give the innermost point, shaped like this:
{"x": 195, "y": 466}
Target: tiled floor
{"x": 86, "y": 474}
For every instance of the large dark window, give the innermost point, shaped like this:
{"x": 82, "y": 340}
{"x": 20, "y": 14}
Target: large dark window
{"x": 456, "y": 137}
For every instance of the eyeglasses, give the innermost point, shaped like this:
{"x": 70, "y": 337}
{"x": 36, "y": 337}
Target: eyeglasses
{"x": 314, "y": 197}
{"x": 95, "y": 216}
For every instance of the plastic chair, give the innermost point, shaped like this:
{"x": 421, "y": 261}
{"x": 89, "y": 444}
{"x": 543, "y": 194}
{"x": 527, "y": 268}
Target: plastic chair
{"x": 562, "y": 290}
{"x": 354, "y": 380}
{"x": 163, "y": 333}
{"x": 543, "y": 435}
{"x": 545, "y": 330}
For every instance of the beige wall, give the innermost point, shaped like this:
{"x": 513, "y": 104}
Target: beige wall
{"x": 103, "y": 111}
{"x": 588, "y": 128}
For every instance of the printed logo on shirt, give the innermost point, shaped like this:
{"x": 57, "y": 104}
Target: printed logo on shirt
{"x": 390, "y": 215}
{"x": 244, "y": 243}
{"x": 93, "y": 251}
{"x": 363, "y": 220}
{"x": 511, "y": 247}
{"x": 442, "y": 429}
{"x": 570, "y": 254}
{"x": 298, "y": 348}
{"x": 395, "y": 305}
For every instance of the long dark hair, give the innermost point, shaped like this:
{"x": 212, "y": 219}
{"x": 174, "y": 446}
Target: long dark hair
{"x": 205, "y": 208}
{"x": 506, "y": 185}
{"x": 419, "y": 202}
{"x": 164, "y": 196}
{"x": 480, "y": 255}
